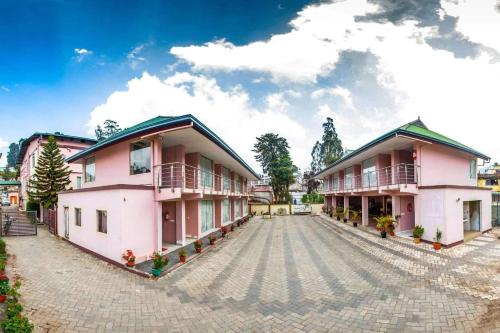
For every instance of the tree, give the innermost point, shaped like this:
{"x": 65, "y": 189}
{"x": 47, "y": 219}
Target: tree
{"x": 51, "y": 175}
{"x": 329, "y": 150}
{"x": 9, "y": 174}
{"x": 310, "y": 182}
{"x": 271, "y": 151}
{"x": 111, "y": 127}
{"x": 13, "y": 154}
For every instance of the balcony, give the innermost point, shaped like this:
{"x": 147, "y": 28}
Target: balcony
{"x": 177, "y": 180}
{"x": 400, "y": 177}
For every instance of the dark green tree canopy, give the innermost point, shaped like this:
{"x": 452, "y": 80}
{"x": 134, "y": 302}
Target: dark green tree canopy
{"x": 109, "y": 128}
{"x": 328, "y": 150}
{"x": 13, "y": 154}
{"x": 51, "y": 175}
{"x": 272, "y": 151}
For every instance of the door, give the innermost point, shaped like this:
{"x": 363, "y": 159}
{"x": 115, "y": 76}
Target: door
{"x": 407, "y": 212}
{"x": 169, "y": 223}
{"x": 66, "y": 222}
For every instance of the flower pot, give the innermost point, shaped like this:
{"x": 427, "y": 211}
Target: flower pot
{"x": 338, "y": 218}
{"x": 383, "y": 234}
{"x": 355, "y": 224}
{"x": 345, "y": 220}
{"x": 212, "y": 242}
{"x": 3, "y": 298}
{"x": 198, "y": 250}
{"x": 416, "y": 240}
{"x": 392, "y": 233}
{"x": 182, "y": 259}
{"x": 130, "y": 263}
{"x": 437, "y": 246}
{"x": 156, "y": 271}
{"x": 232, "y": 227}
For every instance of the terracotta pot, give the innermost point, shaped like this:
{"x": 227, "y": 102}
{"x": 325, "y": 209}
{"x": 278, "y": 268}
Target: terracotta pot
{"x": 3, "y": 298}
{"x": 212, "y": 242}
{"x": 416, "y": 240}
{"x": 437, "y": 246}
{"x": 182, "y": 259}
{"x": 198, "y": 250}
{"x": 130, "y": 263}
{"x": 355, "y": 224}
{"x": 392, "y": 233}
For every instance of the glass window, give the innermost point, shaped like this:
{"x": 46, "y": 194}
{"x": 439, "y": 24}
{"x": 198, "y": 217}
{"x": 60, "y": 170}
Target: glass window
{"x": 226, "y": 211}
{"x": 369, "y": 173}
{"x": 348, "y": 178}
{"x": 237, "y": 208}
{"x": 237, "y": 187}
{"x": 336, "y": 182}
{"x": 78, "y": 217}
{"x": 90, "y": 170}
{"x": 206, "y": 172}
{"x": 78, "y": 182}
{"x": 245, "y": 206}
{"x": 140, "y": 157}
{"x": 207, "y": 217}
{"x": 472, "y": 169}
{"x": 227, "y": 179}
{"x": 102, "y": 221}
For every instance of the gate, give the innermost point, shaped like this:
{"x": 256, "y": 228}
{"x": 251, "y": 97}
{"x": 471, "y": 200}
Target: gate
{"x": 17, "y": 223}
{"x": 52, "y": 221}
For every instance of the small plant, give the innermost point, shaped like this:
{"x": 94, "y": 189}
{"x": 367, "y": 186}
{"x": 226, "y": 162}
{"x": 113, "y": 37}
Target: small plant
{"x": 13, "y": 309}
{"x": 182, "y": 255}
{"x": 232, "y": 227}
{"x": 13, "y": 293}
{"x": 2, "y": 266}
{"x": 354, "y": 217}
{"x": 338, "y": 213}
{"x": 281, "y": 211}
{"x": 197, "y": 246}
{"x": 129, "y": 257}
{"x": 345, "y": 213}
{"x": 17, "y": 324}
{"x": 437, "y": 239}
{"x": 3, "y": 252}
{"x": 159, "y": 261}
{"x": 4, "y": 290}
{"x": 212, "y": 239}
{"x": 418, "y": 232}
{"x": 383, "y": 223}
{"x": 223, "y": 230}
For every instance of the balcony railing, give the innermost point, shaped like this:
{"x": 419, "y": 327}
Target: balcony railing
{"x": 184, "y": 176}
{"x": 399, "y": 174}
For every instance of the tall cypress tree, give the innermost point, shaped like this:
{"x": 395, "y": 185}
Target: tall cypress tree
{"x": 51, "y": 175}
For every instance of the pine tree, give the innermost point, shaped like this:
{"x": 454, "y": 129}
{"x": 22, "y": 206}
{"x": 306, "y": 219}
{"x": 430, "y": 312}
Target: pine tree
{"x": 51, "y": 175}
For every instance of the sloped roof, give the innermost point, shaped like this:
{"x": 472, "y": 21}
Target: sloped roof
{"x": 415, "y": 129}
{"x": 157, "y": 124}
{"x": 10, "y": 183}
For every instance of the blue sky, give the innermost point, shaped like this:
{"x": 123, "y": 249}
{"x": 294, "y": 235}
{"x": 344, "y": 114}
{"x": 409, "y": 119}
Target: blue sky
{"x": 245, "y": 68}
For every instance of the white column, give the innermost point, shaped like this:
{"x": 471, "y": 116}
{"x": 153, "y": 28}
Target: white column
{"x": 159, "y": 226}
{"x": 346, "y": 206}
{"x": 180, "y": 222}
{"x": 396, "y": 208}
{"x": 364, "y": 211}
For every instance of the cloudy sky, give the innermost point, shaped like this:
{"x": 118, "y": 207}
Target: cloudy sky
{"x": 274, "y": 66}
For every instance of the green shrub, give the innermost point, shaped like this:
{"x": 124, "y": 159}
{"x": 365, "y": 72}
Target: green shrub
{"x": 418, "y": 231}
{"x": 4, "y": 288}
{"x": 13, "y": 309}
{"x": 17, "y": 325}
{"x": 32, "y": 206}
{"x": 2, "y": 264}
{"x": 2, "y": 247}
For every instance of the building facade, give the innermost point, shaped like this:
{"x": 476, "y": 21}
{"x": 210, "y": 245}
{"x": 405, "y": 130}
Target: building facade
{"x": 490, "y": 178}
{"x": 418, "y": 176}
{"x": 155, "y": 186}
{"x": 31, "y": 149}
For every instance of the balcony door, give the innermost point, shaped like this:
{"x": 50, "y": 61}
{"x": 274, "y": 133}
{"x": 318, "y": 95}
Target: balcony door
{"x": 206, "y": 172}
{"x": 207, "y": 215}
{"x": 369, "y": 173}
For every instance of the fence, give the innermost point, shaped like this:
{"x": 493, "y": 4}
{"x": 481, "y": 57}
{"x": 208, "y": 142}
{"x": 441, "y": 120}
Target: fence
{"x": 281, "y": 209}
{"x": 18, "y": 223}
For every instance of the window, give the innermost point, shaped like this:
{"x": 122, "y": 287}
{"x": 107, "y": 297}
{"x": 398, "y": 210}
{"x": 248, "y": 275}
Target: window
{"x": 206, "y": 172}
{"x": 33, "y": 161}
{"x": 225, "y": 174}
{"x": 237, "y": 208}
{"x": 348, "y": 178}
{"x": 237, "y": 187}
{"x": 90, "y": 170}
{"x": 78, "y": 182}
{"x": 140, "y": 157}
{"x": 226, "y": 211}
{"x": 472, "y": 169}
{"x": 369, "y": 173}
{"x": 336, "y": 182}
{"x": 102, "y": 221}
{"x": 491, "y": 182}
{"x": 245, "y": 206}
{"x": 78, "y": 217}
{"x": 207, "y": 217}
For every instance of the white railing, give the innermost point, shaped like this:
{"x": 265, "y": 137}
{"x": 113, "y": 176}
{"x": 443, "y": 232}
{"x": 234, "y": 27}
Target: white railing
{"x": 184, "y": 176}
{"x": 399, "y": 174}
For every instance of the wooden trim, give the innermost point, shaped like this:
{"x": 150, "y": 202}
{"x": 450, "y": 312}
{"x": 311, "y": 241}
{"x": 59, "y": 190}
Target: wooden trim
{"x": 461, "y": 187}
{"x": 110, "y": 187}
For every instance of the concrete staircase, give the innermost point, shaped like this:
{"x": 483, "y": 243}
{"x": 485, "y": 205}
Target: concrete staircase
{"x": 17, "y": 223}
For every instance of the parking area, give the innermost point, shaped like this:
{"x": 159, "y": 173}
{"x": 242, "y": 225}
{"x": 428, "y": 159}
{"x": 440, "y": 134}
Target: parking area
{"x": 291, "y": 273}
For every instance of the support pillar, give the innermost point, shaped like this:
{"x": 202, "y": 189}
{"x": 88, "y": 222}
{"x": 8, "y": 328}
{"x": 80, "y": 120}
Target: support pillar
{"x": 334, "y": 203}
{"x": 158, "y": 230}
{"x": 396, "y": 208}
{"x": 180, "y": 222}
{"x": 346, "y": 206}
{"x": 365, "y": 219}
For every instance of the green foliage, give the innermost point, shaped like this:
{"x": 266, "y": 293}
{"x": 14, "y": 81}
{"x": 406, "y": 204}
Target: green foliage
{"x": 32, "y": 206}
{"x": 418, "y": 231}
{"x": 51, "y": 175}
{"x": 13, "y": 309}
{"x": 384, "y": 221}
{"x": 3, "y": 246}
{"x": 309, "y": 181}
{"x": 439, "y": 235}
{"x": 17, "y": 324}
{"x": 354, "y": 215}
{"x": 198, "y": 244}
{"x": 111, "y": 127}
{"x": 2, "y": 264}
{"x": 272, "y": 152}
{"x": 328, "y": 150}
{"x": 182, "y": 253}
{"x": 313, "y": 198}
{"x": 13, "y": 154}
{"x": 159, "y": 261}
{"x": 4, "y": 288}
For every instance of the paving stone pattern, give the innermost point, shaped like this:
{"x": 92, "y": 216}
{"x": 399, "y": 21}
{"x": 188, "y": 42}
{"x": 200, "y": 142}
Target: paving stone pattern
{"x": 288, "y": 274}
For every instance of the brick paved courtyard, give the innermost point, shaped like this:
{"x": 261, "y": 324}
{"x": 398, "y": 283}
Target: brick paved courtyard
{"x": 289, "y": 274}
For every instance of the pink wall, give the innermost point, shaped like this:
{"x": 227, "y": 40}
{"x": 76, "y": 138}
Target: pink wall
{"x": 130, "y": 221}
{"x": 192, "y": 214}
{"x": 192, "y": 159}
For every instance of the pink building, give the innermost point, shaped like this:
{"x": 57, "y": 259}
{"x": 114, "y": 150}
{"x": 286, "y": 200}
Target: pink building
{"x": 30, "y": 151}
{"x": 418, "y": 175}
{"x": 155, "y": 186}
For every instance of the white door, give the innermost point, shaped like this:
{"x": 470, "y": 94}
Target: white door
{"x": 66, "y": 222}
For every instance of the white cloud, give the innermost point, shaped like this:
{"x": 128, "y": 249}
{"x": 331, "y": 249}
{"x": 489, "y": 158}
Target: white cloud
{"x": 3, "y": 151}
{"x": 81, "y": 54}
{"x": 228, "y": 112}
{"x": 5, "y": 88}
{"x": 134, "y": 57}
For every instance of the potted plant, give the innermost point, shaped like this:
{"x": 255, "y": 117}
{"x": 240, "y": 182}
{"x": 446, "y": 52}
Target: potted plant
{"x": 354, "y": 218}
{"x": 159, "y": 263}
{"x": 383, "y": 223}
{"x": 338, "y": 213}
{"x": 232, "y": 227}
{"x": 197, "y": 245}
{"x": 4, "y": 290}
{"x": 223, "y": 230}
{"x": 418, "y": 231}
{"x": 17, "y": 324}
{"x": 3, "y": 252}
{"x": 437, "y": 240}
{"x": 129, "y": 257}
{"x": 2, "y": 267}
{"x": 212, "y": 239}
{"x": 346, "y": 214}
{"x": 182, "y": 255}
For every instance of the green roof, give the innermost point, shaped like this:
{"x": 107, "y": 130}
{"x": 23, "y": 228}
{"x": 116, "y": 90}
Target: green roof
{"x": 157, "y": 124}
{"x": 415, "y": 129}
{"x": 10, "y": 183}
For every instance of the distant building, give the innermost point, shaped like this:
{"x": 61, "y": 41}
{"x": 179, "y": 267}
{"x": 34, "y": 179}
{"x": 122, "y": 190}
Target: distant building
{"x": 490, "y": 178}
{"x": 9, "y": 190}
{"x": 262, "y": 190}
